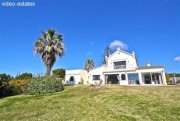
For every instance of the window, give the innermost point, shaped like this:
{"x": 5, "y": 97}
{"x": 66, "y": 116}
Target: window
{"x": 96, "y": 77}
{"x": 133, "y": 78}
{"x": 147, "y": 78}
{"x": 123, "y": 77}
{"x": 152, "y": 78}
{"x": 120, "y": 65}
{"x": 71, "y": 78}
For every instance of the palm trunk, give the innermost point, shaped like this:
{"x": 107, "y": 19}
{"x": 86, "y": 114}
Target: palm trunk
{"x": 48, "y": 71}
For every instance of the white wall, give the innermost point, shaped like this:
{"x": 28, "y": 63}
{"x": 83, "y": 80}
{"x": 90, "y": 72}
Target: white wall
{"x": 77, "y": 78}
{"x": 96, "y": 71}
{"x": 120, "y": 55}
{"x": 75, "y": 73}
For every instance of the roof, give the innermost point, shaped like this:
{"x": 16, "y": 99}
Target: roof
{"x": 119, "y": 50}
{"x": 149, "y": 67}
{"x": 97, "y": 67}
{"x": 75, "y": 71}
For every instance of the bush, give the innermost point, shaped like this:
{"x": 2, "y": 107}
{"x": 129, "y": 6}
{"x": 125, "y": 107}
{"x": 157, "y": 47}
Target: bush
{"x": 11, "y": 90}
{"x": 5, "y": 88}
{"x": 43, "y": 85}
{"x": 19, "y": 84}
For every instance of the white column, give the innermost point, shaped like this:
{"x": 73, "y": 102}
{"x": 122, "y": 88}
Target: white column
{"x": 126, "y": 78}
{"x": 160, "y": 78}
{"x": 164, "y": 77}
{"x": 103, "y": 78}
{"x": 119, "y": 79}
{"x": 151, "y": 78}
{"x": 140, "y": 78}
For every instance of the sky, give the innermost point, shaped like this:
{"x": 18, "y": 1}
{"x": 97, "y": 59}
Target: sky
{"x": 151, "y": 28}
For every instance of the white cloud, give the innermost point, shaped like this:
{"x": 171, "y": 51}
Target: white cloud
{"x": 177, "y": 58}
{"x": 118, "y": 44}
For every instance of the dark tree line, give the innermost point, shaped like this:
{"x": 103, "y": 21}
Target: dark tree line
{"x": 7, "y": 89}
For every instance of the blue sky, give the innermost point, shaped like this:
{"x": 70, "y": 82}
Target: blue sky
{"x": 151, "y": 28}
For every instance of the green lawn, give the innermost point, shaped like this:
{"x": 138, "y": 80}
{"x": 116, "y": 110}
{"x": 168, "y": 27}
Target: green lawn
{"x": 84, "y": 103}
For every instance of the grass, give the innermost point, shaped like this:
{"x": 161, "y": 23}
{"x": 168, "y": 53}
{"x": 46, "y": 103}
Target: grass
{"x": 83, "y": 103}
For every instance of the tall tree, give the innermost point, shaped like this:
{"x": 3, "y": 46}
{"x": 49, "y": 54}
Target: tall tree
{"x": 89, "y": 64}
{"x": 4, "y": 84}
{"x": 107, "y": 53}
{"x": 24, "y": 76}
{"x": 59, "y": 73}
{"x": 49, "y": 46}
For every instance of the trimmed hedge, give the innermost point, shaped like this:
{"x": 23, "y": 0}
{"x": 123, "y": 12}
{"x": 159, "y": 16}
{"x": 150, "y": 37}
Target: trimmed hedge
{"x": 43, "y": 85}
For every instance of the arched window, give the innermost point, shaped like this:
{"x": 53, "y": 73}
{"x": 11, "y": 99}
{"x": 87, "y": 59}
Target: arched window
{"x": 123, "y": 77}
{"x": 71, "y": 78}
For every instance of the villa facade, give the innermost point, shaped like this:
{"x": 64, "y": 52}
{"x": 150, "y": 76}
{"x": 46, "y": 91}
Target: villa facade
{"x": 121, "y": 68}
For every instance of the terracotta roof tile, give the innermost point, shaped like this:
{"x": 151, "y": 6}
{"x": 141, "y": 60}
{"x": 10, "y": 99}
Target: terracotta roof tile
{"x": 149, "y": 67}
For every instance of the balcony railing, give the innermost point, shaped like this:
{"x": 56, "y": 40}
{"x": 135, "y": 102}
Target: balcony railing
{"x": 120, "y": 67}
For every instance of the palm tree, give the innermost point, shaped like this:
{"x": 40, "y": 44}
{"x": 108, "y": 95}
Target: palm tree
{"x": 49, "y": 46}
{"x": 89, "y": 65}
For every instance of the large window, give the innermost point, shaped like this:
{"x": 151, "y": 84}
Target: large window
{"x": 120, "y": 65}
{"x": 156, "y": 78}
{"x": 96, "y": 77}
{"x": 152, "y": 78}
{"x": 133, "y": 79}
{"x": 147, "y": 79}
{"x": 112, "y": 79}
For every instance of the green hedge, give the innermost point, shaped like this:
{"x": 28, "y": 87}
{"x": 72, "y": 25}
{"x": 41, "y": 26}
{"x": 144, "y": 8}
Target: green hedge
{"x": 43, "y": 85}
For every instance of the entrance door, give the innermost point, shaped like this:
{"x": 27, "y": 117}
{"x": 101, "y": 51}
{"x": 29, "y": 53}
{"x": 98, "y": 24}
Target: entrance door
{"x": 112, "y": 79}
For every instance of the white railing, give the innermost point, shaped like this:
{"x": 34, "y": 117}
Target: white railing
{"x": 120, "y": 67}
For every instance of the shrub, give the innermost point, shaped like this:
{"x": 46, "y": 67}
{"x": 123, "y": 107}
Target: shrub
{"x": 11, "y": 90}
{"x": 18, "y": 84}
{"x": 43, "y": 85}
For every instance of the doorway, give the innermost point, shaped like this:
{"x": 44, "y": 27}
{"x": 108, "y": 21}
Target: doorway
{"x": 112, "y": 79}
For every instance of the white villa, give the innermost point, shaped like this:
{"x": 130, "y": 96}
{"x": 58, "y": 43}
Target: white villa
{"x": 121, "y": 68}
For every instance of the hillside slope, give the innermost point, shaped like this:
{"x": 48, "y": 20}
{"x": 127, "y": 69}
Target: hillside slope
{"x": 84, "y": 103}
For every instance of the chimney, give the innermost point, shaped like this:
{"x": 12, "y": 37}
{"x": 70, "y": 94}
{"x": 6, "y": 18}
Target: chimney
{"x": 133, "y": 53}
{"x": 148, "y": 64}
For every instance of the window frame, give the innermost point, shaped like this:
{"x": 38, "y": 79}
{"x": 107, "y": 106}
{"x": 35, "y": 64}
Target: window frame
{"x": 71, "y": 78}
{"x": 95, "y": 79}
{"x": 123, "y": 77}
